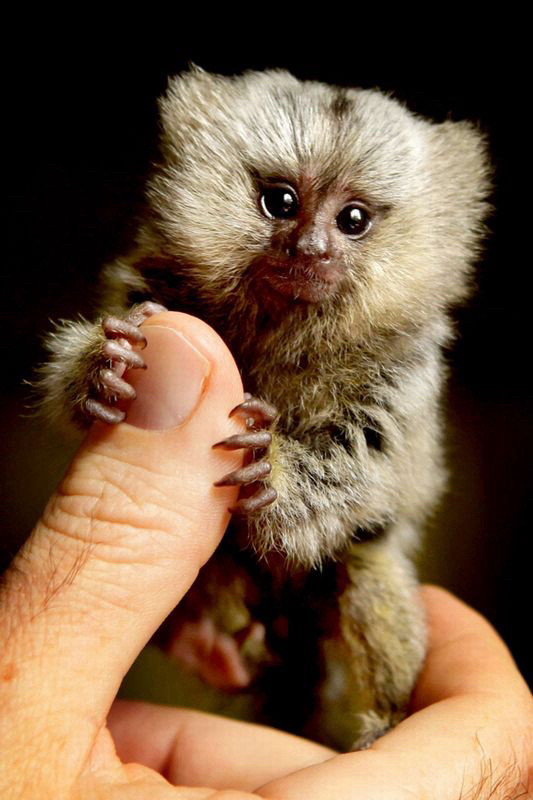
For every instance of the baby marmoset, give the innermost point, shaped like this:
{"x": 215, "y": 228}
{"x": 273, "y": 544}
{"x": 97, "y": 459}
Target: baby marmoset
{"x": 324, "y": 233}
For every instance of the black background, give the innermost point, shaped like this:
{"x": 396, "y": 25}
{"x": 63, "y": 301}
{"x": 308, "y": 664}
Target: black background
{"x": 80, "y": 109}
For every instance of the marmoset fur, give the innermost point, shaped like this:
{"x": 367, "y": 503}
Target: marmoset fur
{"x": 325, "y": 233}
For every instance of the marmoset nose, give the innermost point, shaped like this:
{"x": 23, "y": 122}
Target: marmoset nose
{"x": 311, "y": 242}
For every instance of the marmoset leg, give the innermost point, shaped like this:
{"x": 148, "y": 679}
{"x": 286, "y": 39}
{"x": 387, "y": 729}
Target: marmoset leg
{"x": 370, "y": 665}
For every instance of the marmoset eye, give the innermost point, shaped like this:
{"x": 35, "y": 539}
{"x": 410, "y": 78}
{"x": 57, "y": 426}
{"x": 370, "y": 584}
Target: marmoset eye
{"x": 279, "y": 201}
{"x": 353, "y": 220}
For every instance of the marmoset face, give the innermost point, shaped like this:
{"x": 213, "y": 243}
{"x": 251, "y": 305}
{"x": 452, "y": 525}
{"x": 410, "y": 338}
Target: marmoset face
{"x": 280, "y": 194}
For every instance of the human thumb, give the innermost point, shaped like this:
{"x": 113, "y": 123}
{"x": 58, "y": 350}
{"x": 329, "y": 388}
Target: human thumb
{"x": 123, "y": 537}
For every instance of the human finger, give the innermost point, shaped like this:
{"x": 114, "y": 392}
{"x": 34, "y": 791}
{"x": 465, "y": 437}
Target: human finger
{"x": 440, "y": 744}
{"x": 120, "y": 541}
{"x": 465, "y": 654}
{"x": 472, "y": 730}
{"x": 193, "y": 748}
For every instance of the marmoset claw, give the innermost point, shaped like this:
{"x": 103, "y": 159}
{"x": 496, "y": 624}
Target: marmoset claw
{"x": 253, "y": 472}
{"x": 261, "y": 412}
{"x": 140, "y": 313}
{"x": 114, "y": 386}
{"x": 114, "y": 351}
{"x": 264, "y": 496}
{"x": 103, "y": 413}
{"x": 117, "y": 355}
{"x": 115, "y": 328}
{"x": 258, "y": 414}
{"x": 240, "y": 441}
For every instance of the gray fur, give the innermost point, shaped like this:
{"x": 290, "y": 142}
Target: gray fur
{"x": 356, "y": 378}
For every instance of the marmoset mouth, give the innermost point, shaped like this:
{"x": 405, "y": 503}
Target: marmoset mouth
{"x": 301, "y": 282}
{"x": 301, "y": 287}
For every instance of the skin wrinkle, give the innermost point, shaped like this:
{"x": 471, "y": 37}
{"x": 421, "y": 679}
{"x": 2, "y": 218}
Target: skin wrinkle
{"x": 118, "y": 599}
{"x": 96, "y": 549}
{"x": 96, "y": 560}
{"x": 147, "y": 473}
{"x": 116, "y": 485}
{"x": 91, "y": 551}
{"x": 100, "y": 517}
{"x": 114, "y": 481}
{"x": 140, "y": 507}
{"x": 36, "y": 576}
{"x": 100, "y": 523}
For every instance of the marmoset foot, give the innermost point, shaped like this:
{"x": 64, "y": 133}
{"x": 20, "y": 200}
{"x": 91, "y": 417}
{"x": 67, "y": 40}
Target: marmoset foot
{"x": 257, "y": 493}
{"x": 116, "y": 356}
{"x": 228, "y": 662}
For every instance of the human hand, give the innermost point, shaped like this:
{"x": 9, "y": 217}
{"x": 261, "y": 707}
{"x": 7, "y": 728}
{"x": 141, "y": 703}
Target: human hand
{"x": 117, "y": 547}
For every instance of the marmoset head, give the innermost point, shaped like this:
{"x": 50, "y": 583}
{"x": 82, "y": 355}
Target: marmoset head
{"x": 282, "y": 195}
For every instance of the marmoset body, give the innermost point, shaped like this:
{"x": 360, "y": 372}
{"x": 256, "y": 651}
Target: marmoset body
{"x": 325, "y": 233}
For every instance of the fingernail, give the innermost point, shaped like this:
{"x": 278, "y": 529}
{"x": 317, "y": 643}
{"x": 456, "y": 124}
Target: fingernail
{"x": 170, "y": 388}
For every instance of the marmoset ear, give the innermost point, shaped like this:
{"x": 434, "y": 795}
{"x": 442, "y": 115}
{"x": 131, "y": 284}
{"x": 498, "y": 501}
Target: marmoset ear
{"x": 193, "y": 100}
{"x": 460, "y": 184}
{"x": 463, "y": 168}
